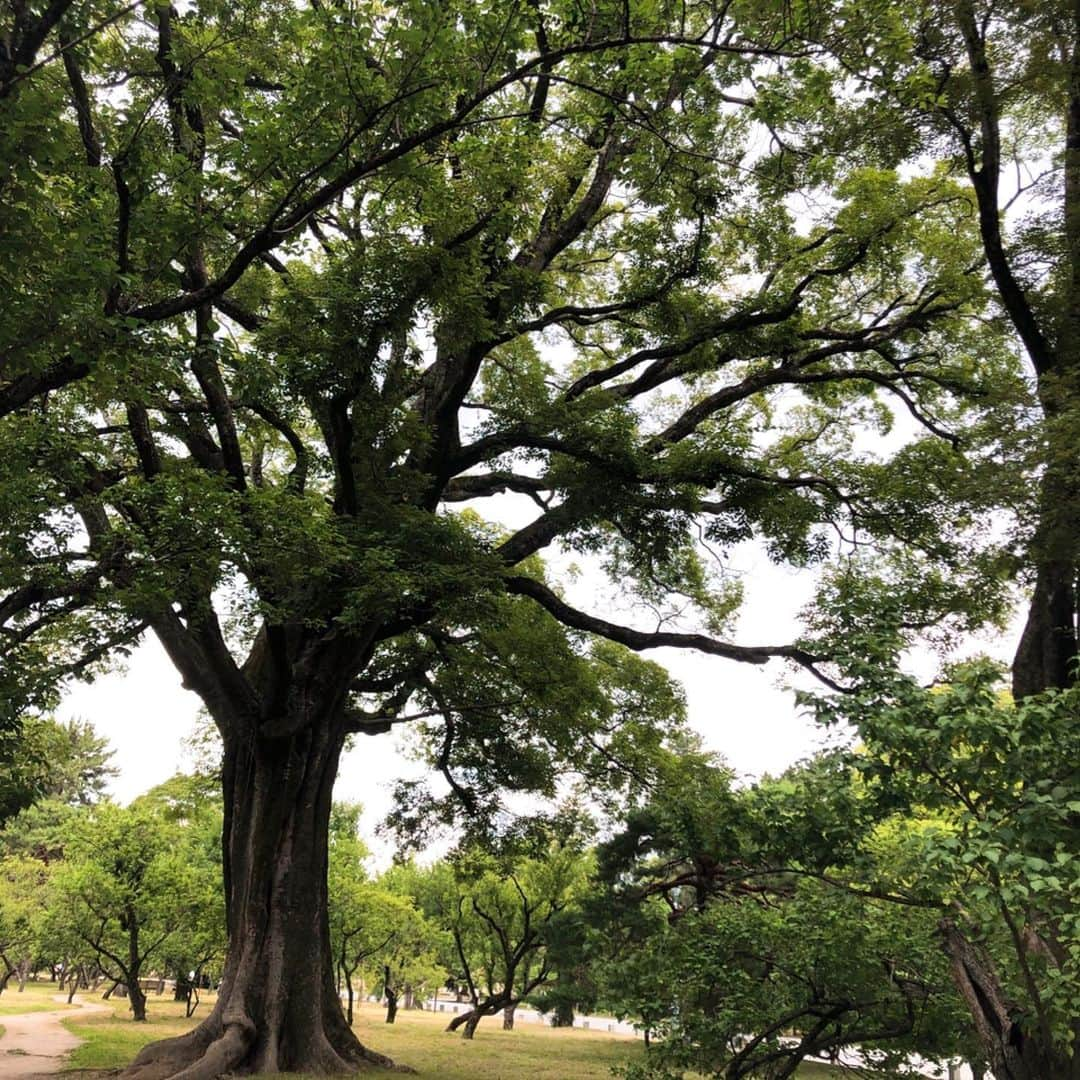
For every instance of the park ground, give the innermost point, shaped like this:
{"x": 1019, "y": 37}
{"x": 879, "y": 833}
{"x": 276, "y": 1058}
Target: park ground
{"x": 111, "y": 1039}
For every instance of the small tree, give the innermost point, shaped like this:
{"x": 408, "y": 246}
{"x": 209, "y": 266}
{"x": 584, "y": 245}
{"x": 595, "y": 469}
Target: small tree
{"x": 499, "y": 913}
{"x": 738, "y": 934}
{"x": 21, "y": 888}
{"x": 191, "y": 805}
{"x": 125, "y": 888}
{"x": 1000, "y": 782}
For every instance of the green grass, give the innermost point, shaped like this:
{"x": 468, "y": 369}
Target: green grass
{"x": 37, "y": 997}
{"x": 416, "y": 1039}
{"x": 113, "y": 1039}
{"x": 532, "y": 1050}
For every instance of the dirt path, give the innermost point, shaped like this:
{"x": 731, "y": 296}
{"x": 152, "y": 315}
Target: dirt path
{"x": 37, "y": 1043}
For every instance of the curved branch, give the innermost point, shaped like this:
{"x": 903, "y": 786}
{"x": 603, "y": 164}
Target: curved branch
{"x": 639, "y": 640}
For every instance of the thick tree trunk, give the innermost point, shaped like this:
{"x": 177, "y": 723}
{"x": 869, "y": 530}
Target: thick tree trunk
{"x": 277, "y": 1008}
{"x": 508, "y": 1017}
{"x": 1046, "y": 656}
{"x": 1012, "y": 1052}
{"x": 562, "y": 1015}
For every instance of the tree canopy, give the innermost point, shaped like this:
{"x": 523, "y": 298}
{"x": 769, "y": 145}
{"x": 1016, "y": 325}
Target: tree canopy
{"x": 323, "y": 323}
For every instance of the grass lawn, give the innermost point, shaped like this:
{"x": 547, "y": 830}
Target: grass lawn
{"x": 37, "y": 997}
{"x": 416, "y": 1039}
{"x": 113, "y": 1039}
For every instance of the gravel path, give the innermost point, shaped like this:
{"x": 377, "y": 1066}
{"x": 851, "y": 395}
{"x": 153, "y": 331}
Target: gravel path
{"x": 37, "y": 1043}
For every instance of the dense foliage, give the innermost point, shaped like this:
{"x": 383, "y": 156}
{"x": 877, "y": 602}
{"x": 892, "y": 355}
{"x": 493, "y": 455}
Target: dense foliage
{"x": 285, "y": 285}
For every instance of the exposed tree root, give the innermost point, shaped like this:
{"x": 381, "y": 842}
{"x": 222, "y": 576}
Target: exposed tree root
{"x": 221, "y": 1048}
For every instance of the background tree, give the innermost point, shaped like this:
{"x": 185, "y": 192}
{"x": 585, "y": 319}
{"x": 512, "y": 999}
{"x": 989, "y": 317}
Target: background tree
{"x": 70, "y": 767}
{"x": 754, "y": 928}
{"x": 375, "y": 931}
{"x": 409, "y": 957}
{"x": 322, "y": 256}
{"x": 498, "y": 912}
{"x": 125, "y": 888}
{"x": 51, "y": 760}
{"x": 21, "y": 887}
{"x": 1001, "y": 780}
{"x": 190, "y": 806}
{"x": 993, "y": 92}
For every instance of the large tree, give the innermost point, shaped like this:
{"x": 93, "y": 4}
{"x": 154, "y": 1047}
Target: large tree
{"x": 284, "y": 285}
{"x": 992, "y": 89}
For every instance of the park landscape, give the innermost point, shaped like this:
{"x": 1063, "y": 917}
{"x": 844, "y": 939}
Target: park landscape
{"x": 444, "y": 369}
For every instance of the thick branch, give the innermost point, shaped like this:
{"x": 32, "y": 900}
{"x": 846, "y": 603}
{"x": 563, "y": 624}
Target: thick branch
{"x": 639, "y": 640}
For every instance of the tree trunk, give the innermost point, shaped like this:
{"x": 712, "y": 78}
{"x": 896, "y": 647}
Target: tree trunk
{"x": 463, "y": 1019}
{"x": 1046, "y": 655}
{"x": 1012, "y": 1053}
{"x": 508, "y": 1017}
{"x": 349, "y": 991}
{"x": 469, "y": 1021}
{"x": 135, "y": 990}
{"x": 563, "y": 1014}
{"x": 277, "y": 1009}
{"x": 138, "y": 1000}
{"x": 391, "y": 1007}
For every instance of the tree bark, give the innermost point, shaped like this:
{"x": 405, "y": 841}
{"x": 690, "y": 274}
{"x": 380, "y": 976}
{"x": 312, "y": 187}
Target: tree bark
{"x": 391, "y": 994}
{"x": 349, "y": 991}
{"x": 138, "y": 1000}
{"x": 1046, "y": 656}
{"x": 508, "y": 1017}
{"x": 470, "y": 1020}
{"x": 1012, "y": 1053}
{"x": 277, "y": 1008}
{"x": 135, "y": 991}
